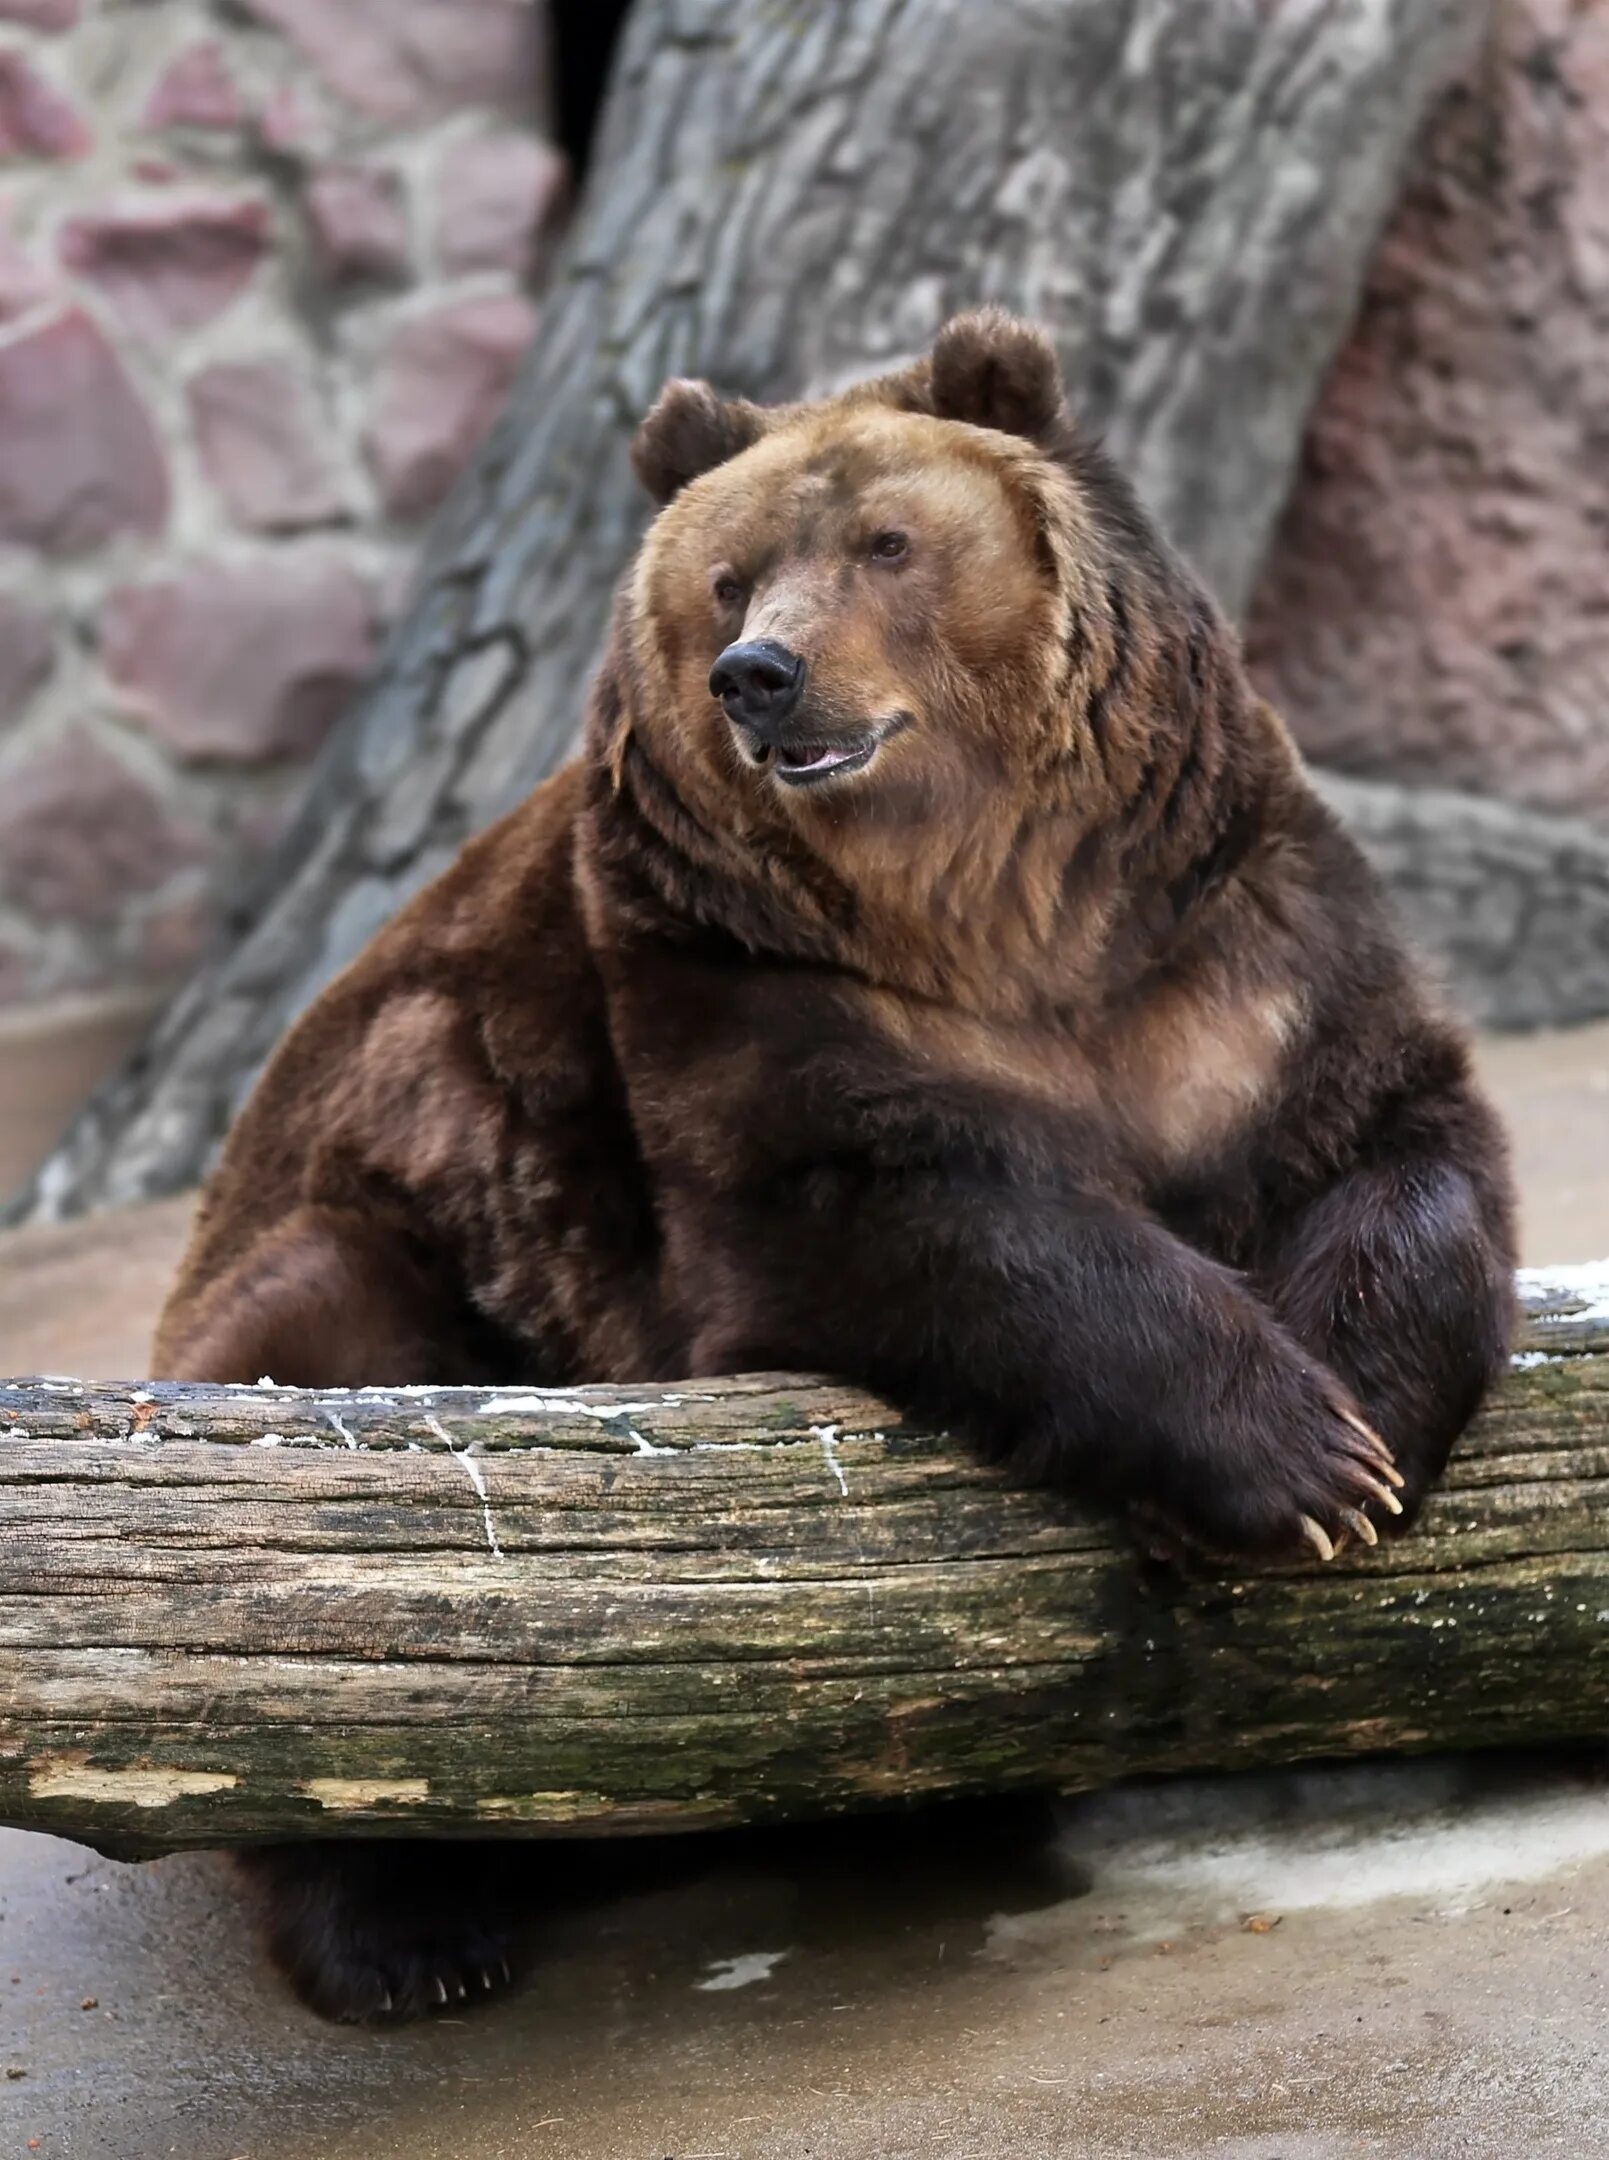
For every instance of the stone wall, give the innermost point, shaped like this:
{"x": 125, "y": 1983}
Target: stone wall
{"x": 265, "y": 272}
{"x": 1436, "y": 606}
{"x": 265, "y": 269}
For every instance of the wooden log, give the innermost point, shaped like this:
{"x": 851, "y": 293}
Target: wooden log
{"x": 234, "y": 1614}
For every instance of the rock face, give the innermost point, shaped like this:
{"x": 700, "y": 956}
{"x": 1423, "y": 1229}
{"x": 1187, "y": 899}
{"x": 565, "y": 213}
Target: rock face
{"x": 79, "y": 456}
{"x": 497, "y": 196}
{"x": 248, "y": 666}
{"x": 441, "y": 382}
{"x": 406, "y": 60}
{"x": 264, "y": 271}
{"x": 24, "y": 283}
{"x": 196, "y": 90}
{"x": 80, "y": 834}
{"x": 41, "y": 14}
{"x": 170, "y": 263}
{"x": 358, "y": 219}
{"x": 260, "y": 438}
{"x": 27, "y": 655}
{"x": 36, "y": 121}
{"x": 1436, "y": 606}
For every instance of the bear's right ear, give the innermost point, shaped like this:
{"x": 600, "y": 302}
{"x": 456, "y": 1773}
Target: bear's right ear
{"x": 688, "y": 431}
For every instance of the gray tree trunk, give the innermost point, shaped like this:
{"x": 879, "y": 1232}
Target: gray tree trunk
{"x": 785, "y": 195}
{"x": 237, "y": 1614}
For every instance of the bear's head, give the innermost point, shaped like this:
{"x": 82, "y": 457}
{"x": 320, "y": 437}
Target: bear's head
{"x": 927, "y": 605}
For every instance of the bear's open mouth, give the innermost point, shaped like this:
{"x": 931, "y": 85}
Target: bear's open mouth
{"x": 800, "y": 763}
{"x": 807, "y": 763}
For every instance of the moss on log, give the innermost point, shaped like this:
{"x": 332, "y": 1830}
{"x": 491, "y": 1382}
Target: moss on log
{"x": 227, "y": 1615}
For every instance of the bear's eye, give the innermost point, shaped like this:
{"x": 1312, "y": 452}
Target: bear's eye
{"x": 727, "y": 589}
{"x": 889, "y": 547}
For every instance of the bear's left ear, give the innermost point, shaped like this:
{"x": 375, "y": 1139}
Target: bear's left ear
{"x": 689, "y": 430}
{"x": 995, "y": 371}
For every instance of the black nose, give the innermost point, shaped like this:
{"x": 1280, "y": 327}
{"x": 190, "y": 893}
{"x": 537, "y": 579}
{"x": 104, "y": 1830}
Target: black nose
{"x": 759, "y": 683}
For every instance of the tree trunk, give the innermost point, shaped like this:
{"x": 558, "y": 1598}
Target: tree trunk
{"x": 783, "y": 197}
{"x": 236, "y": 1615}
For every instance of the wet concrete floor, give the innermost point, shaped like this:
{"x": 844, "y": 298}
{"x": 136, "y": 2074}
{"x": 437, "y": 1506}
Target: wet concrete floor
{"x": 1408, "y": 1959}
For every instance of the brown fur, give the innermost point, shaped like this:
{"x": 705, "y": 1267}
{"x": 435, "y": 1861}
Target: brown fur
{"x": 1057, "y": 1071}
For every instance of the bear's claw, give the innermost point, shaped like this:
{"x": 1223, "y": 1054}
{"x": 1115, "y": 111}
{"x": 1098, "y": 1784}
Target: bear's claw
{"x": 1318, "y": 1537}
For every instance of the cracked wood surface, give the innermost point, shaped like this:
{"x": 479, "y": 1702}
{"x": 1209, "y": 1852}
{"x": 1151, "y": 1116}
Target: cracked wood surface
{"x": 785, "y": 198}
{"x": 234, "y": 1614}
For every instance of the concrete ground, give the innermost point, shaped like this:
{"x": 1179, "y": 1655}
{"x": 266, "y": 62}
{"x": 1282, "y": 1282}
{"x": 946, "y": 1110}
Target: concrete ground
{"x": 1425, "y": 1976}
{"x": 1407, "y": 1960}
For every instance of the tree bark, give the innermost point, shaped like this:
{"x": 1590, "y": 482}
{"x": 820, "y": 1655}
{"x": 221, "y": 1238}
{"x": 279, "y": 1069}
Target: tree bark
{"x": 235, "y": 1615}
{"x": 784, "y": 197}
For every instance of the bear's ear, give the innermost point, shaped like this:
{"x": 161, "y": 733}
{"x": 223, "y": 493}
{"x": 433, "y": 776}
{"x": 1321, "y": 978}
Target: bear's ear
{"x": 688, "y": 431}
{"x": 995, "y": 371}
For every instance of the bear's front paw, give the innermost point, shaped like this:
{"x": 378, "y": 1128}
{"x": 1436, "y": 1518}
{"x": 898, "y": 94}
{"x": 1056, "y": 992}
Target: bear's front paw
{"x": 1287, "y": 1466}
{"x": 368, "y": 1945}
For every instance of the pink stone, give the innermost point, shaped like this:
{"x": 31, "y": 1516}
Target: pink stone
{"x": 23, "y": 285}
{"x": 258, "y": 437}
{"x": 195, "y": 90}
{"x": 264, "y": 821}
{"x": 358, "y": 224}
{"x": 496, "y": 196}
{"x": 1433, "y": 609}
{"x": 173, "y": 263}
{"x": 286, "y": 122}
{"x": 27, "y": 654}
{"x": 241, "y": 664}
{"x": 394, "y": 585}
{"x": 442, "y": 383}
{"x": 36, "y": 120}
{"x": 40, "y": 14}
{"x": 15, "y": 975}
{"x": 417, "y": 59}
{"x": 175, "y": 934}
{"x": 80, "y": 834}
{"x": 79, "y": 458}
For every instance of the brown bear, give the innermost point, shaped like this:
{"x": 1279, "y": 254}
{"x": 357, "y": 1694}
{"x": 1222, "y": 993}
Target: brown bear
{"x": 936, "y": 968}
